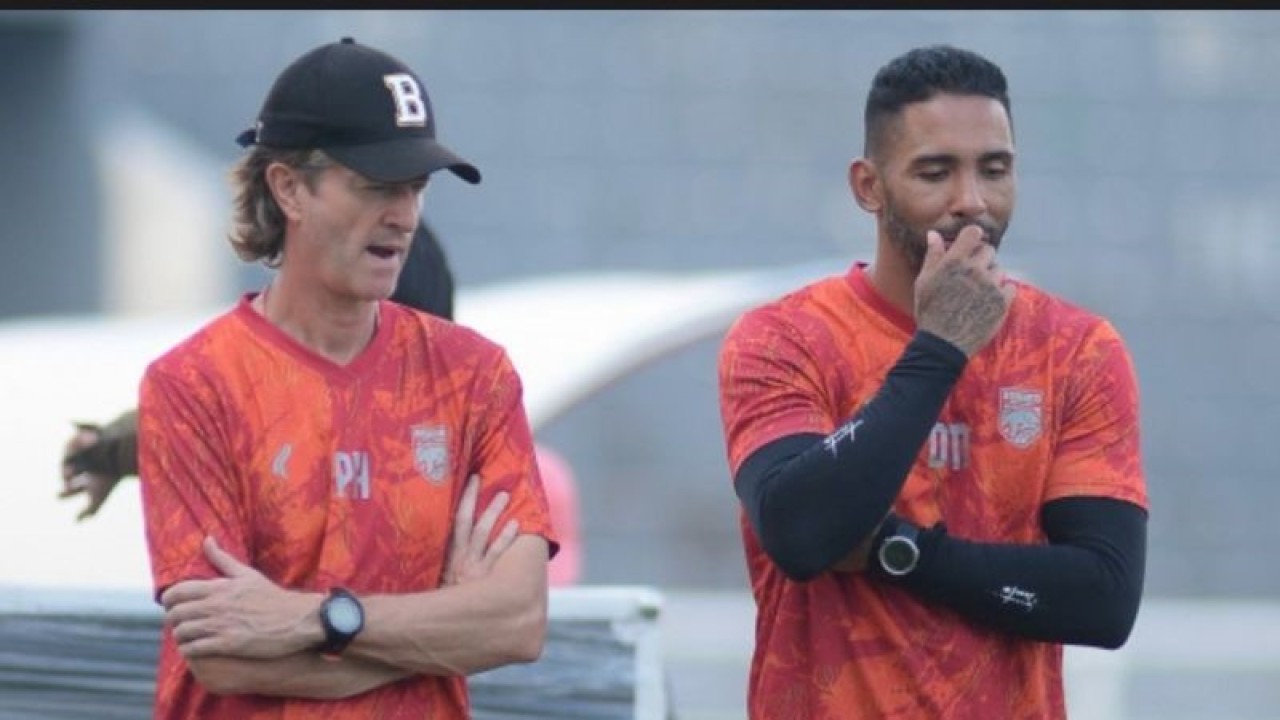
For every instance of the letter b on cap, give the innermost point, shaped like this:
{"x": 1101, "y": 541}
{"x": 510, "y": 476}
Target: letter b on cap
{"x": 410, "y": 109}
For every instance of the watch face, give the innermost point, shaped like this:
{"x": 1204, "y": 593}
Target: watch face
{"x": 898, "y": 555}
{"x": 344, "y": 614}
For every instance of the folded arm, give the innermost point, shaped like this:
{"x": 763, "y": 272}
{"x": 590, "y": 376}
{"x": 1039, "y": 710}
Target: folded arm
{"x": 463, "y": 629}
{"x": 241, "y": 633}
{"x": 1083, "y": 587}
{"x": 813, "y": 499}
{"x": 456, "y": 630}
{"x": 302, "y": 674}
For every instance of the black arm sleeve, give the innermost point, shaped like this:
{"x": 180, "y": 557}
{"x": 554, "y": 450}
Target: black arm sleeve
{"x": 1082, "y": 588}
{"x": 812, "y": 499}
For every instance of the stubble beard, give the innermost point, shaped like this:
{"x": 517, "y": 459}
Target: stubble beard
{"x": 912, "y": 242}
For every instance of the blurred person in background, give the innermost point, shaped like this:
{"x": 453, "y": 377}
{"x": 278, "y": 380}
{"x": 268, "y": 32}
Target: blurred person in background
{"x": 311, "y": 460}
{"x": 938, "y": 467}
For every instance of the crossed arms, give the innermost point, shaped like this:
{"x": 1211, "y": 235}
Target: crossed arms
{"x": 817, "y": 501}
{"x": 817, "y": 510}
{"x": 243, "y": 634}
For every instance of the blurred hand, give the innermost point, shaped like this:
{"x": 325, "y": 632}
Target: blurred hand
{"x": 961, "y": 294}
{"x": 471, "y": 556}
{"x": 83, "y": 472}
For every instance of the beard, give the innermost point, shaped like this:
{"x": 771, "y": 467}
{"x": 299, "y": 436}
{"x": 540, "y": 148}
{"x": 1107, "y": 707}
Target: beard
{"x": 912, "y": 241}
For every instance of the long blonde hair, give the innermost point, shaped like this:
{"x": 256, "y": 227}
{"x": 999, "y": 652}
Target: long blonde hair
{"x": 257, "y": 222}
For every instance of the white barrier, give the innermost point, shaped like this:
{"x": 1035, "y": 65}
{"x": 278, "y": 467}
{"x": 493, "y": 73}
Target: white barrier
{"x": 618, "y": 651}
{"x": 73, "y": 654}
{"x": 1193, "y": 659}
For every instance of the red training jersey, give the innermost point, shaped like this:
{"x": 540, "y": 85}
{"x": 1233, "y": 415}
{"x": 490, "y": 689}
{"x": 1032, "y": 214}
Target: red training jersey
{"x": 1048, "y": 409}
{"x": 322, "y": 475}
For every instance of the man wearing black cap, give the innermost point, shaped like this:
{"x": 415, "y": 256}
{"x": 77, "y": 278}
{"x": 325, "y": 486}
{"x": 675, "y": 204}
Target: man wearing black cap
{"x": 303, "y": 457}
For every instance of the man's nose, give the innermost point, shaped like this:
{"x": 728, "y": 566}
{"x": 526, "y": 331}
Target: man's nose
{"x": 968, "y": 200}
{"x": 403, "y": 209}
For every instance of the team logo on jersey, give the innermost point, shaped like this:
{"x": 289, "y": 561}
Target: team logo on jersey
{"x": 1020, "y": 415}
{"x": 431, "y": 451}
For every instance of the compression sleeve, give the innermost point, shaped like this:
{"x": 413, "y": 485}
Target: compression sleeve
{"x": 1083, "y": 587}
{"x": 812, "y": 499}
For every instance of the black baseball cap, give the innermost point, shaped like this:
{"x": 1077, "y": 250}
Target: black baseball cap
{"x": 363, "y": 107}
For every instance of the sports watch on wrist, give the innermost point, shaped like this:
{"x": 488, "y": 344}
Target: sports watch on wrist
{"x": 342, "y": 616}
{"x": 898, "y": 552}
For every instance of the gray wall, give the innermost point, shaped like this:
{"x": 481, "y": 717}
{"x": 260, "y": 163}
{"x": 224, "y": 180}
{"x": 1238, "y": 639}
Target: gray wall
{"x": 682, "y": 139}
{"x": 48, "y": 197}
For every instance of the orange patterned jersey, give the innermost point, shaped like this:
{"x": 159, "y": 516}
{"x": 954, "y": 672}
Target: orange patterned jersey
{"x": 322, "y": 475}
{"x": 1048, "y": 409}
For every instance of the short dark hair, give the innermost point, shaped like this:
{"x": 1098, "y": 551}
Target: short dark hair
{"x": 920, "y": 74}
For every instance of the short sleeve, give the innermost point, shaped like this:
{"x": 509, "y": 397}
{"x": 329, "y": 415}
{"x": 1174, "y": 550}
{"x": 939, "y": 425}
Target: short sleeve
{"x": 188, "y": 485}
{"x": 1099, "y": 446}
{"x": 504, "y": 454}
{"x": 770, "y": 386}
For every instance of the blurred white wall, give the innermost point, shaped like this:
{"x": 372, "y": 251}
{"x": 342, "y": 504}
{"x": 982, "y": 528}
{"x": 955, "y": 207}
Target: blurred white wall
{"x": 165, "y": 217}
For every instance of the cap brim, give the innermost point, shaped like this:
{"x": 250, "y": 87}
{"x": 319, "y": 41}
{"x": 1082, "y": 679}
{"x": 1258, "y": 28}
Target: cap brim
{"x": 403, "y": 160}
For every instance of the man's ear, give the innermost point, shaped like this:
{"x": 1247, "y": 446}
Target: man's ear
{"x": 285, "y": 184}
{"x": 864, "y": 183}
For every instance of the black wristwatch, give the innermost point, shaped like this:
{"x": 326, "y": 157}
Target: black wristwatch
{"x": 342, "y": 616}
{"x": 897, "y": 551}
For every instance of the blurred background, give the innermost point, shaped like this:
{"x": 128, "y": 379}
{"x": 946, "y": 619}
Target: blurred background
{"x": 697, "y": 140}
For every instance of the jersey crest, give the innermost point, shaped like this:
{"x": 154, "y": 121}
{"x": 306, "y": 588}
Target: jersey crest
{"x": 431, "y": 452}
{"x": 1020, "y": 415}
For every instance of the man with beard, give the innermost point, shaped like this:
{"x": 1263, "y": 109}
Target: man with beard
{"x": 938, "y": 466}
